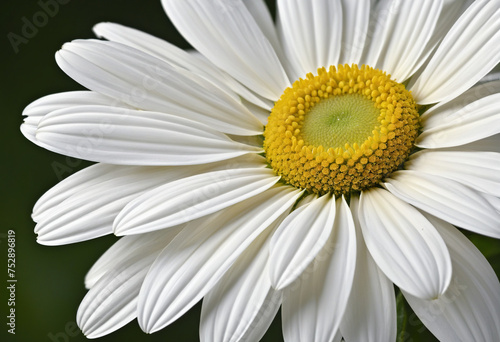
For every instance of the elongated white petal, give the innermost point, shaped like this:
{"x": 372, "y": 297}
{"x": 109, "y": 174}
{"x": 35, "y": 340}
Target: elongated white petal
{"x": 192, "y": 65}
{"x": 298, "y": 240}
{"x": 477, "y": 120}
{"x": 149, "y": 83}
{"x": 227, "y": 34}
{"x": 128, "y": 249}
{"x": 261, "y": 112}
{"x": 195, "y": 64}
{"x": 259, "y": 11}
{"x": 163, "y": 50}
{"x": 200, "y": 255}
{"x": 243, "y": 303}
{"x": 356, "y": 16}
{"x": 190, "y": 198}
{"x": 449, "y": 14}
{"x": 133, "y": 137}
{"x": 75, "y": 183}
{"x": 314, "y": 304}
{"x": 111, "y": 303}
{"x": 404, "y": 244}
{"x": 90, "y": 212}
{"x": 446, "y": 199}
{"x": 50, "y": 103}
{"x": 470, "y": 309}
{"x": 312, "y": 33}
{"x": 370, "y": 314}
{"x": 103, "y": 173}
{"x": 28, "y": 129}
{"x": 149, "y": 44}
{"x": 244, "y": 93}
{"x": 490, "y": 144}
{"x": 401, "y": 32}
{"x": 445, "y": 111}
{"x": 478, "y": 170}
{"x": 452, "y": 10}
{"x": 85, "y": 205}
{"x": 36, "y": 110}
{"x": 467, "y": 53}
{"x": 494, "y": 201}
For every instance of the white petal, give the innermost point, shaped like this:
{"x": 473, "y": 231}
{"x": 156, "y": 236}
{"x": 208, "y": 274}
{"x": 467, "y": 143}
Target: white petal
{"x": 244, "y": 93}
{"x": 243, "y": 303}
{"x": 356, "y": 16}
{"x": 36, "y": 110}
{"x": 192, "y": 65}
{"x": 260, "y": 112}
{"x": 190, "y": 198}
{"x": 149, "y": 83}
{"x": 444, "y": 111}
{"x": 298, "y": 240}
{"x": 467, "y": 53}
{"x": 477, "y": 120}
{"x": 102, "y": 173}
{"x": 494, "y": 201}
{"x": 446, "y": 199}
{"x": 128, "y": 249}
{"x": 50, "y": 103}
{"x": 200, "y": 255}
{"x": 401, "y": 32}
{"x": 259, "y": 11}
{"x": 371, "y": 310}
{"x": 28, "y": 129}
{"x": 404, "y": 244}
{"x": 489, "y": 144}
{"x": 450, "y": 12}
{"x": 163, "y": 50}
{"x": 227, "y": 34}
{"x": 478, "y": 170}
{"x": 134, "y": 137}
{"x": 470, "y": 309}
{"x": 149, "y": 44}
{"x": 85, "y": 205}
{"x": 111, "y": 303}
{"x": 73, "y": 184}
{"x": 250, "y": 96}
{"x": 89, "y": 213}
{"x": 312, "y": 33}
{"x": 314, "y": 304}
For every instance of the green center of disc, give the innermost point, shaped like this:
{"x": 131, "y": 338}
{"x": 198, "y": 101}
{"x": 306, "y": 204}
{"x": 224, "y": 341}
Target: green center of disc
{"x": 338, "y": 120}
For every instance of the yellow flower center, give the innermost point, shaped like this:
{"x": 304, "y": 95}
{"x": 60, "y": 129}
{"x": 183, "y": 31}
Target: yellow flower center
{"x": 342, "y": 130}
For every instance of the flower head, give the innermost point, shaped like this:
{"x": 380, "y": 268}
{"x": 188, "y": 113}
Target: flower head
{"x": 309, "y": 165}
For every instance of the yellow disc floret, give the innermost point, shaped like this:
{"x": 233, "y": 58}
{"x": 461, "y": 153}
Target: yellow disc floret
{"x": 342, "y": 130}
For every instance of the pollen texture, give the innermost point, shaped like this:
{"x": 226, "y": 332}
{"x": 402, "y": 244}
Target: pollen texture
{"x": 341, "y": 130}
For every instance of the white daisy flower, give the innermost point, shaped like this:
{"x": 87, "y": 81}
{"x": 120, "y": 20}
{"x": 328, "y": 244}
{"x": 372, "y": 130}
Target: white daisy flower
{"x": 309, "y": 165}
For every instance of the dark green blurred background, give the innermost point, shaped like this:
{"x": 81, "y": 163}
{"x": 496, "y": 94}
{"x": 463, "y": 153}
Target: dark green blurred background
{"x": 50, "y": 279}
